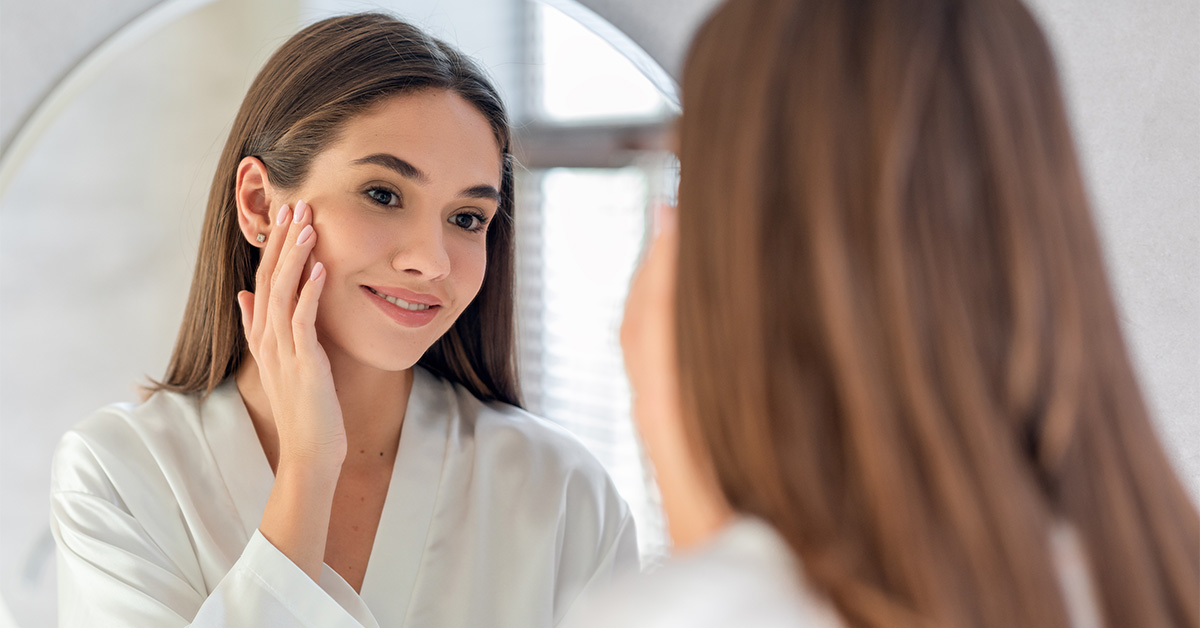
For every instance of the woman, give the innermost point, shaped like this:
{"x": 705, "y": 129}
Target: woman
{"x": 877, "y": 364}
{"x": 338, "y": 440}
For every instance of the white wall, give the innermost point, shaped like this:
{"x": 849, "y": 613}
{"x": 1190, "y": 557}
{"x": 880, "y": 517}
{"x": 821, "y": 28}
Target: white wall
{"x": 40, "y": 40}
{"x": 1132, "y": 76}
{"x": 98, "y": 233}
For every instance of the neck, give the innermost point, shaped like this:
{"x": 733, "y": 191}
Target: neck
{"x": 373, "y": 404}
{"x": 695, "y": 508}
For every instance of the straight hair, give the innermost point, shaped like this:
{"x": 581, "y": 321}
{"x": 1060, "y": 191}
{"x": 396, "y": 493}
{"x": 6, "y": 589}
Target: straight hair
{"x": 319, "y": 80}
{"x": 896, "y": 339}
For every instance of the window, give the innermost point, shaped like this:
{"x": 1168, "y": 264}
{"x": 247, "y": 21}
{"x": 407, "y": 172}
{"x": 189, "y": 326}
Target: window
{"x": 594, "y": 165}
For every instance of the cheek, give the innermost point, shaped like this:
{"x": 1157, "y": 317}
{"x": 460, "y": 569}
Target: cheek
{"x": 344, "y": 240}
{"x": 468, "y": 260}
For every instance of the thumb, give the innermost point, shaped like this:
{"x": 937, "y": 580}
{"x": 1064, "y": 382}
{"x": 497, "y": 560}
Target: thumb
{"x": 245, "y": 301}
{"x": 666, "y": 219}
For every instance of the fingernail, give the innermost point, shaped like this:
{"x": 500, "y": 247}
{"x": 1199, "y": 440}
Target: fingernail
{"x": 301, "y": 206}
{"x": 282, "y": 215}
{"x": 316, "y": 272}
{"x": 304, "y": 235}
{"x": 668, "y": 218}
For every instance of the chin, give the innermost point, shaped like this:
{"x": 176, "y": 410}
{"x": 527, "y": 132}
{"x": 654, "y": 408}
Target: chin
{"x": 383, "y": 354}
{"x": 391, "y": 356}
{"x": 393, "y": 363}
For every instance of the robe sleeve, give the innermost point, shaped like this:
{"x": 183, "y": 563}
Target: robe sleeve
{"x": 113, "y": 572}
{"x": 620, "y": 559}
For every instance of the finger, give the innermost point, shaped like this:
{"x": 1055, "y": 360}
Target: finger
{"x": 295, "y": 223}
{"x": 664, "y": 217}
{"x": 266, "y": 269}
{"x": 304, "y": 322}
{"x": 669, "y": 219}
{"x": 301, "y": 238}
{"x": 245, "y": 301}
{"x": 664, "y": 248}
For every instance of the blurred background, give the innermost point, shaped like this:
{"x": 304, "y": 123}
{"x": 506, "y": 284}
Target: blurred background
{"x": 113, "y": 114}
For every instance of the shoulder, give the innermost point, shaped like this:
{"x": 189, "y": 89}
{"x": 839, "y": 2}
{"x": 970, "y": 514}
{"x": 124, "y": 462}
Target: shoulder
{"x": 543, "y": 472}
{"x": 746, "y": 576}
{"x": 502, "y": 428}
{"x": 127, "y": 442}
{"x": 524, "y": 441}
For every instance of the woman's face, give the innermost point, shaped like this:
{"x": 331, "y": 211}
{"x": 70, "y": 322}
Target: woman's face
{"x": 401, "y": 204}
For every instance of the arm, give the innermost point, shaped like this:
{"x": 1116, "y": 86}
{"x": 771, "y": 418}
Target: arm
{"x": 112, "y": 570}
{"x": 115, "y": 569}
{"x": 296, "y": 519}
{"x": 620, "y": 559}
{"x": 279, "y": 320}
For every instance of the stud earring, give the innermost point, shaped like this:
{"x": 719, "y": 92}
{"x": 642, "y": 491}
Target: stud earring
{"x": 261, "y": 238}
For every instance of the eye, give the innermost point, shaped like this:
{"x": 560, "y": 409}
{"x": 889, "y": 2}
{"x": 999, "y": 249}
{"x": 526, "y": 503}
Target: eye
{"x": 469, "y": 221}
{"x": 384, "y": 196}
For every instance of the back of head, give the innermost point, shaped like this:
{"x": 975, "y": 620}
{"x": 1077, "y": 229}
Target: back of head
{"x": 897, "y": 343}
{"x": 308, "y": 90}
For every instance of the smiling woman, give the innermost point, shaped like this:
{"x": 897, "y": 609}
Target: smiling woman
{"x": 287, "y": 121}
{"x": 338, "y": 439}
{"x": 403, "y": 203}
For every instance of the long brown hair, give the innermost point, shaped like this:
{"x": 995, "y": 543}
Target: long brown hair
{"x": 310, "y": 88}
{"x": 897, "y": 343}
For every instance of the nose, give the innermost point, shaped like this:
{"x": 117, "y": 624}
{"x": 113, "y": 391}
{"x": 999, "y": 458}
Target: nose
{"x": 422, "y": 251}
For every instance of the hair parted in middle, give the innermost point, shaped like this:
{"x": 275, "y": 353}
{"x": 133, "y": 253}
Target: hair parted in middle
{"x": 321, "y": 78}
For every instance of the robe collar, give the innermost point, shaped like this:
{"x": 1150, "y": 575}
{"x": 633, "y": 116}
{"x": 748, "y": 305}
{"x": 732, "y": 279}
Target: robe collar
{"x": 408, "y": 509}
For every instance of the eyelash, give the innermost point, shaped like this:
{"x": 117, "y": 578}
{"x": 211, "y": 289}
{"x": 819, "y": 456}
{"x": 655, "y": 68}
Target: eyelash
{"x": 481, "y": 219}
{"x": 370, "y": 192}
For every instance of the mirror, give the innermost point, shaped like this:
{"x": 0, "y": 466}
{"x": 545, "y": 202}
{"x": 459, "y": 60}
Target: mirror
{"x": 103, "y": 194}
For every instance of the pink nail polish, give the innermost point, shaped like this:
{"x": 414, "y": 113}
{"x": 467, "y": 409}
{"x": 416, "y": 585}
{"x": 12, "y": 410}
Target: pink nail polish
{"x": 282, "y": 215}
{"x": 316, "y": 271}
{"x": 304, "y": 234}
{"x": 301, "y": 208}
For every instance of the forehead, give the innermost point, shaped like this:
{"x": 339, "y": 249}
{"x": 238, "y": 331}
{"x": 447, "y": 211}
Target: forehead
{"x": 435, "y": 130}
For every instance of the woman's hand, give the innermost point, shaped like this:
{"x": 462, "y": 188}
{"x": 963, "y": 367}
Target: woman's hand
{"x": 280, "y": 322}
{"x": 692, "y": 499}
{"x": 648, "y": 330}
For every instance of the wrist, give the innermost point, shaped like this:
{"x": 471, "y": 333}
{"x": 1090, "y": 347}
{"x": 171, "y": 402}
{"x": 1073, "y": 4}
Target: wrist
{"x": 296, "y": 517}
{"x": 308, "y": 467}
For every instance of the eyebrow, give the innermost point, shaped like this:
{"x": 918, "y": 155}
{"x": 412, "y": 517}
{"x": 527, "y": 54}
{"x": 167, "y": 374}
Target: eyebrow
{"x": 409, "y": 171}
{"x": 392, "y": 162}
{"x": 486, "y": 192}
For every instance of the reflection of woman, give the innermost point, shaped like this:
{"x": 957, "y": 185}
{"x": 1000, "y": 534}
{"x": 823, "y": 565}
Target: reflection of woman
{"x": 877, "y": 363}
{"x": 363, "y": 463}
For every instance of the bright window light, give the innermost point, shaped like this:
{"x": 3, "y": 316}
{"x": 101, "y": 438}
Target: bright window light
{"x": 585, "y": 79}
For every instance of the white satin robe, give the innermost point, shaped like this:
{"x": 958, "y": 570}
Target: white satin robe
{"x": 747, "y": 575}
{"x": 493, "y": 518}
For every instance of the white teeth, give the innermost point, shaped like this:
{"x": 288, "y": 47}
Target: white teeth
{"x": 415, "y": 307}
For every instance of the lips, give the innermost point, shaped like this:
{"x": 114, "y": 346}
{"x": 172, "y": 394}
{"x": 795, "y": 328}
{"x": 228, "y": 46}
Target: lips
{"x": 409, "y": 309}
{"x": 397, "y": 301}
{"x": 407, "y": 296}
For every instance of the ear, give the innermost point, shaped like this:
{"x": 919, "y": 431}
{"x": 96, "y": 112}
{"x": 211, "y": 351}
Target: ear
{"x": 255, "y": 198}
